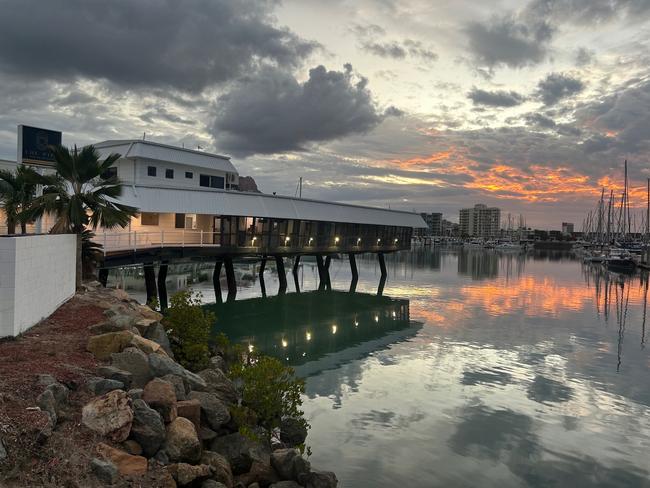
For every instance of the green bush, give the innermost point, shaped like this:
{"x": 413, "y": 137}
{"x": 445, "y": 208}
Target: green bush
{"x": 271, "y": 390}
{"x": 189, "y": 327}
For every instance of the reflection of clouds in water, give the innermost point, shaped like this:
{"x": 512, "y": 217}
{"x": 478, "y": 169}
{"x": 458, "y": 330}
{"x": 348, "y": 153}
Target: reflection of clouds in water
{"x": 545, "y": 390}
{"x": 486, "y": 376}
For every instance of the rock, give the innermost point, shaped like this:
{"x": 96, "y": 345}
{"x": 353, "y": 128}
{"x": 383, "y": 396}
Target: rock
{"x": 285, "y": 484}
{"x": 240, "y": 451}
{"x": 104, "y": 471}
{"x": 148, "y": 428}
{"x": 206, "y": 434}
{"x": 220, "y": 467}
{"x": 143, "y": 324}
{"x": 219, "y": 384}
{"x": 160, "y": 395}
{"x": 109, "y": 415}
{"x": 282, "y": 461}
{"x": 217, "y": 362}
{"x": 213, "y": 484}
{"x": 135, "y": 394}
{"x": 260, "y": 473}
{"x": 135, "y": 362}
{"x": 127, "y": 464}
{"x": 132, "y": 447}
{"x": 125, "y": 319}
{"x": 47, "y": 403}
{"x": 113, "y": 373}
{"x": 292, "y": 432}
{"x": 106, "y": 327}
{"x": 3, "y": 451}
{"x": 121, "y": 295}
{"x": 115, "y": 309}
{"x": 148, "y": 313}
{"x": 99, "y": 386}
{"x": 162, "y": 457}
{"x": 184, "y": 474}
{"x": 182, "y": 442}
{"x": 157, "y": 333}
{"x": 178, "y": 384}
{"x": 163, "y": 365}
{"x": 213, "y": 411}
{"x": 45, "y": 379}
{"x": 147, "y": 346}
{"x": 254, "y": 485}
{"x": 321, "y": 479}
{"x": 103, "y": 345}
{"x": 191, "y": 410}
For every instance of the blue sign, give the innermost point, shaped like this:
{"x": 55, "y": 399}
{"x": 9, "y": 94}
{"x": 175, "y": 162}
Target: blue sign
{"x": 35, "y": 143}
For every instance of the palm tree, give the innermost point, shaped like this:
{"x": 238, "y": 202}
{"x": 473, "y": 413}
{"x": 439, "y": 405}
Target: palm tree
{"x": 81, "y": 195}
{"x": 17, "y": 191}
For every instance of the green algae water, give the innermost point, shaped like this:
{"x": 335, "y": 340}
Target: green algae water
{"x": 473, "y": 368}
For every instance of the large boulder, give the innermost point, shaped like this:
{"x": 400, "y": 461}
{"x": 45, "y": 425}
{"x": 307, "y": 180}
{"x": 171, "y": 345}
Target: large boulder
{"x": 285, "y": 484}
{"x": 105, "y": 471}
{"x": 240, "y": 451}
{"x": 218, "y": 362}
{"x": 148, "y": 428}
{"x": 184, "y": 473}
{"x": 106, "y": 327}
{"x": 99, "y": 386}
{"x": 219, "y": 384}
{"x": 191, "y": 410}
{"x": 163, "y": 365}
{"x": 289, "y": 464}
{"x": 110, "y": 415}
{"x": 321, "y": 479}
{"x": 103, "y": 345}
{"x": 147, "y": 313}
{"x": 160, "y": 396}
{"x": 260, "y": 473}
{"x": 216, "y": 484}
{"x": 156, "y": 332}
{"x": 126, "y": 464}
{"x": 178, "y": 384}
{"x": 135, "y": 362}
{"x": 182, "y": 442}
{"x": 213, "y": 411}
{"x": 3, "y": 452}
{"x": 221, "y": 470}
{"x": 147, "y": 346}
{"x": 293, "y": 432}
{"x": 113, "y": 373}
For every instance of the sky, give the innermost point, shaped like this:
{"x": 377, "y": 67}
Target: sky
{"x": 531, "y": 106}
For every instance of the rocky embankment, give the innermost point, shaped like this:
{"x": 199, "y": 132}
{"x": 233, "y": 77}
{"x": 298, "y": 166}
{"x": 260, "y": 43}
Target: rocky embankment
{"x": 151, "y": 422}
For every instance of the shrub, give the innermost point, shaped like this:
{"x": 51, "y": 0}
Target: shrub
{"x": 189, "y": 326}
{"x": 271, "y": 390}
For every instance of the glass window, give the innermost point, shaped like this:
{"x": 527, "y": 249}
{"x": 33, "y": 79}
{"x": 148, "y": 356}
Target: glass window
{"x": 204, "y": 180}
{"x": 169, "y": 173}
{"x": 189, "y": 175}
{"x": 149, "y": 218}
{"x": 180, "y": 221}
{"x": 109, "y": 173}
{"x": 217, "y": 181}
{"x": 151, "y": 171}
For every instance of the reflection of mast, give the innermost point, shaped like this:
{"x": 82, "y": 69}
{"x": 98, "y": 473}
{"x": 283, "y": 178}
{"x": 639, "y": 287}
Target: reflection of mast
{"x": 621, "y": 316}
{"x": 645, "y": 307}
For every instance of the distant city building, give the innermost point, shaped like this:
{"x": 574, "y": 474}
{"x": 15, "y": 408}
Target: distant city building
{"x": 434, "y": 223}
{"x": 480, "y": 221}
{"x": 567, "y": 228}
{"x": 450, "y": 229}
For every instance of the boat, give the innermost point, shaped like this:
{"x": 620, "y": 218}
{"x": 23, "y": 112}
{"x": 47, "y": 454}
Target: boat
{"x": 508, "y": 246}
{"x": 619, "y": 260}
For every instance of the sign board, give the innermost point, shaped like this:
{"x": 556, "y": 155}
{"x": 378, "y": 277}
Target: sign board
{"x": 34, "y": 144}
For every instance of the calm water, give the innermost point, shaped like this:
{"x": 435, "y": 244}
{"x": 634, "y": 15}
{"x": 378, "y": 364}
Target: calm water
{"x": 473, "y": 369}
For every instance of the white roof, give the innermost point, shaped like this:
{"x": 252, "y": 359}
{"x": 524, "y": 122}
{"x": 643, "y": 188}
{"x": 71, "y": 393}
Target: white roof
{"x": 243, "y": 204}
{"x": 154, "y": 151}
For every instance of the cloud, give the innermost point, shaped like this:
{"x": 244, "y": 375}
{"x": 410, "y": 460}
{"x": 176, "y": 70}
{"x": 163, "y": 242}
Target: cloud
{"x": 371, "y": 41}
{"x": 184, "y": 44}
{"x": 273, "y": 112}
{"x": 588, "y": 12}
{"x": 499, "y": 98}
{"x": 558, "y": 86}
{"x": 538, "y": 120}
{"x": 505, "y": 41}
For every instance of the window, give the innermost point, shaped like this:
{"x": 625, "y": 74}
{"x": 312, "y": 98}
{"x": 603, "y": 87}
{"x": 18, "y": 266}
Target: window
{"x": 211, "y": 181}
{"x": 189, "y": 175}
{"x": 149, "y": 218}
{"x": 180, "y": 221}
{"x": 204, "y": 180}
{"x": 151, "y": 171}
{"x": 169, "y": 173}
{"x": 110, "y": 173}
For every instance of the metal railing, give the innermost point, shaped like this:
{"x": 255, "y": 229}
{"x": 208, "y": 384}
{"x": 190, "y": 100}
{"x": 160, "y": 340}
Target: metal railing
{"x": 134, "y": 240}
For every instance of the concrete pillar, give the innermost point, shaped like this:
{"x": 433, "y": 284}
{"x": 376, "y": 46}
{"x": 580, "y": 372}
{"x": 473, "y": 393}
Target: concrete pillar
{"x": 103, "y": 276}
{"x": 150, "y": 282}
{"x": 261, "y": 274}
{"x": 282, "y": 274}
{"x": 328, "y": 261}
{"x": 354, "y": 271}
{"x": 162, "y": 285}
{"x": 216, "y": 281}
{"x": 230, "y": 276}
{"x": 322, "y": 272}
{"x": 296, "y": 263}
{"x": 382, "y": 264}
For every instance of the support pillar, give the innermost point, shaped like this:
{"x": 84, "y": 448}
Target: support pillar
{"x": 296, "y": 263}
{"x": 261, "y": 274}
{"x": 322, "y": 272}
{"x": 328, "y": 261}
{"x": 216, "y": 281}
{"x": 103, "y": 276}
{"x": 354, "y": 271}
{"x": 162, "y": 285}
{"x": 150, "y": 283}
{"x": 382, "y": 264}
{"x": 282, "y": 275}
{"x": 230, "y": 276}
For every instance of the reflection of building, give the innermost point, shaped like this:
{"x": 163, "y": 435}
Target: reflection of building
{"x": 480, "y": 221}
{"x": 567, "y": 228}
{"x": 479, "y": 265}
{"x": 434, "y": 223}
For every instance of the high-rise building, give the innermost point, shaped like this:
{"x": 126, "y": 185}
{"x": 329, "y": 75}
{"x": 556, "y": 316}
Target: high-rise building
{"x": 567, "y": 228}
{"x": 480, "y": 221}
{"x": 434, "y": 223}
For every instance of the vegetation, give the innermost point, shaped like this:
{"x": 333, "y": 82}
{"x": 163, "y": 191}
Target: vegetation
{"x": 189, "y": 327}
{"x": 17, "y": 192}
{"x": 81, "y": 195}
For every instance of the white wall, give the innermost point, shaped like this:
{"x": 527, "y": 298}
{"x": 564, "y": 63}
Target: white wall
{"x": 37, "y": 275}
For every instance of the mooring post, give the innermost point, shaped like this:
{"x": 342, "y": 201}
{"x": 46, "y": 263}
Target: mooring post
{"x": 230, "y": 277}
{"x": 282, "y": 274}
{"x": 103, "y": 276}
{"x": 355, "y": 273}
{"x": 162, "y": 285}
{"x": 216, "y": 281}
{"x": 382, "y": 264}
{"x": 150, "y": 283}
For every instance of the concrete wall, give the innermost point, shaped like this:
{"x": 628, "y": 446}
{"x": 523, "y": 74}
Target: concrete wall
{"x": 37, "y": 274}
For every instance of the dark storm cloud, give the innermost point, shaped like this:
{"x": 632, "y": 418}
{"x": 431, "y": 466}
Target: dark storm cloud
{"x": 506, "y": 41}
{"x": 557, "y": 86}
{"x": 499, "y": 98}
{"x": 538, "y": 120}
{"x": 273, "y": 112}
{"x": 186, "y": 44}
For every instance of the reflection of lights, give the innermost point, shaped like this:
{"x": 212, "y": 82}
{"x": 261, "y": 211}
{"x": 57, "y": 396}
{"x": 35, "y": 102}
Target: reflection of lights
{"x": 251, "y": 347}
{"x": 308, "y": 336}
{"x": 377, "y": 318}
{"x": 284, "y": 343}
{"x": 336, "y": 240}
{"x": 304, "y": 354}
{"x": 334, "y": 329}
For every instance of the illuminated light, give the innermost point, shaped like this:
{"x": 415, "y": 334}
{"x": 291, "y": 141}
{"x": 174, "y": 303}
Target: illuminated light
{"x": 284, "y": 343}
{"x": 356, "y": 323}
{"x": 287, "y": 239}
{"x": 336, "y": 240}
{"x": 377, "y": 318}
{"x": 378, "y": 241}
{"x": 394, "y": 314}
{"x": 311, "y": 239}
{"x": 334, "y": 329}
{"x": 254, "y": 239}
{"x": 396, "y": 241}
{"x": 358, "y": 240}
{"x": 304, "y": 354}
{"x": 251, "y": 347}
{"x": 308, "y": 336}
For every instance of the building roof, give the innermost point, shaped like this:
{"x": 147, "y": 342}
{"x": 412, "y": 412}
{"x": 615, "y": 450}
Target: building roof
{"x": 242, "y": 204}
{"x": 155, "y": 151}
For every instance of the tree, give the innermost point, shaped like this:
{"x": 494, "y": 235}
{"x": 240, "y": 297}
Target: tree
{"x": 17, "y": 191}
{"x": 81, "y": 196}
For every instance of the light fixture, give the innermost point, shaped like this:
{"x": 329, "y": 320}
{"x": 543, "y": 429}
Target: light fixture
{"x": 378, "y": 240}
{"x": 308, "y": 336}
{"x": 356, "y": 323}
{"x": 253, "y": 242}
{"x": 394, "y": 314}
{"x": 336, "y": 240}
{"x": 287, "y": 239}
{"x": 377, "y": 318}
{"x": 396, "y": 241}
{"x": 334, "y": 329}
{"x": 311, "y": 239}
{"x": 284, "y": 343}
{"x": 251, "y": 347}
{"x": 358, "y": 240}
